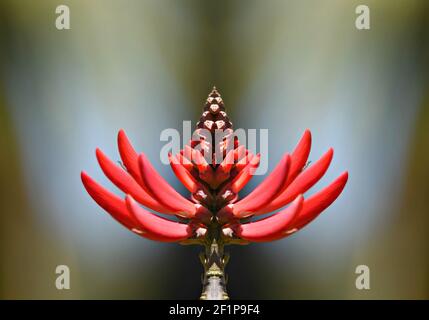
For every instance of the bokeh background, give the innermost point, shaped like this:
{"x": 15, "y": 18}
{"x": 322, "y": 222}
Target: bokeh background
{"x": 148, "y": 65}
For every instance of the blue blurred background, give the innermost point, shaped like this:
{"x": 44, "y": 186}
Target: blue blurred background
{"x": 148, "y": 65}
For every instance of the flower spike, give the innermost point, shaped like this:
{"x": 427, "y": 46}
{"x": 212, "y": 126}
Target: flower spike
{"x": 214, "y": 168}
{"x": 214, "y": 187}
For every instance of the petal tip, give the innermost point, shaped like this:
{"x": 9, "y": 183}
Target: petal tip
{"x": 121, "y": 132}
{"x": 99, "y": 153}
{"x": 83, "y": 176}
{"x": 307, "y": 135}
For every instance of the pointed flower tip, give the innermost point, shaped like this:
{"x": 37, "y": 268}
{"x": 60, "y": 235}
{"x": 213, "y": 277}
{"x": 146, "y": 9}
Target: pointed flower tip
{"x": 343, "y": 177}
{"x": 306, "y": 140}
{"x": 99, "y": 153}
{"x": 214, "y": 92}
{"x": 83, "y": 175}
{"x": 328, "y": 155}
{"x": 307, "y": 134}
{"x": 121, "y": 134}
{"x": 86, "y": 179}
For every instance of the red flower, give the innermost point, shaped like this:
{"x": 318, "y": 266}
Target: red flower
{"x": 214, "y": 211}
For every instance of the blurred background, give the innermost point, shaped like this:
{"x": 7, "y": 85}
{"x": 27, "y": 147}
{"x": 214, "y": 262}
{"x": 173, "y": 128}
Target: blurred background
{"x": 148, "y": 65}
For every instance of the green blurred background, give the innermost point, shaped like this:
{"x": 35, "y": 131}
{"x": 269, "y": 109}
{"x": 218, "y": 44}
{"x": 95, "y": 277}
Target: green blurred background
{"x": 147, "y": 65}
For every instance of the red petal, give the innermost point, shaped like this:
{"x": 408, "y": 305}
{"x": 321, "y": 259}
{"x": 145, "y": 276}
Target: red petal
{"x": 110, "y": 202}
{"x": 302, "y": 183}
{"x": 199, "y": 160}
{"x": 239, "y": 153}
{"x": 299, "y": 156}
{"x": 163, "y": 192}
{"x": 185, "y": 162}
{"x": 187, "y": 152}
{"x": 225, "y": 215}
{"x": 226, "y": 164}
{"x": 129, "y": 157}
{"x": 263, "y": 194}
{"x": 245, "y": 175}
{"x": 272, "y": 227}
{"x": 205, "y": 171}
{"x": 318, "y": 202}
{"x": 156, "y": 227}
{"x": 182, "y": 174}
{"x": 222, "y": 172}
{"x": 240, "y": 165}
{"x": 126, "y": 183}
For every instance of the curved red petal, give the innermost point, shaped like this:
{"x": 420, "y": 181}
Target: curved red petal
{"x": 205, "y": 171}
{"x": 239, "y": 153}
{"x": 302, "y": 183}
{"x": 272, "y": 227}
{"x": 222, "y": 172}
{"x": 318, "y": 202}
{"x": 187, "y": 153}
{"x": 227, "y": 164}
{"x": 241, "y": 164}
{"x": 124, "y": 181}
{"x": 110, "y": 202}
{"x": 129, "y": 157}
{"x": 156, "y": 227}
{"x": 183, "y": 174}
{"x": 245, "y": 175}
{"x": 163, "y": 192}
{"x": 264, "y": 193}
{"x": 187, "y": 164}
{"x": 299, "y": 156}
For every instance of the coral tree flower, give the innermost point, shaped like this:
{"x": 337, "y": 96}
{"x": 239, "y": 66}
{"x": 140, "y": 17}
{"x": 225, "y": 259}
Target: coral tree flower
{"x": 214, "y": 208}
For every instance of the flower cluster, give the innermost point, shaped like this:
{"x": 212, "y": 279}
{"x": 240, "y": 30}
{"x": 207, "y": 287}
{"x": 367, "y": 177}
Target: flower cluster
{"x": 214, "y": 171}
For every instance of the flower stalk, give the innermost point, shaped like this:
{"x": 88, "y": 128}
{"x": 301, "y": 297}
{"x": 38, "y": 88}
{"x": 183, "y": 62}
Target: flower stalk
{"x": 214, "y": 279}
